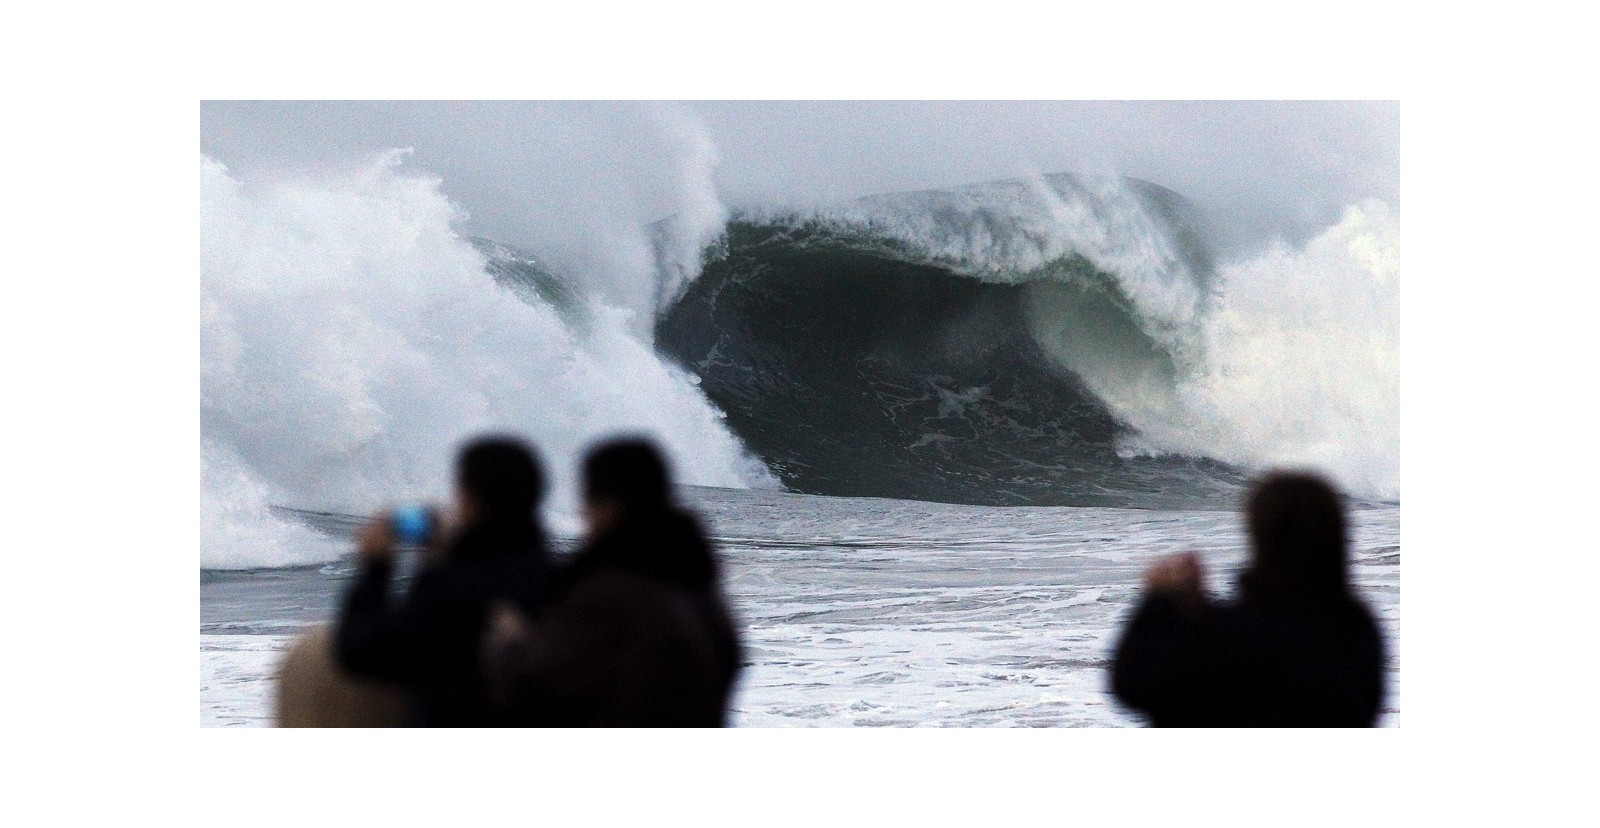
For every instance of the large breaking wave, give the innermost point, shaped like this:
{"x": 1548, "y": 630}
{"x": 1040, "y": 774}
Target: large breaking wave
{"x": 1054, "y": 340}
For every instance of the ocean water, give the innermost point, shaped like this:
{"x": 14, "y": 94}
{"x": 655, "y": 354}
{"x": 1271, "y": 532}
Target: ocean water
{"x": 870, "y": 612}
{"x": 936, "y": 435}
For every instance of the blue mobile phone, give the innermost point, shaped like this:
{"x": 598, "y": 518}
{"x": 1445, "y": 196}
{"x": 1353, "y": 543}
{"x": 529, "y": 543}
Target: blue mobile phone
{"x": 413, "y": 524}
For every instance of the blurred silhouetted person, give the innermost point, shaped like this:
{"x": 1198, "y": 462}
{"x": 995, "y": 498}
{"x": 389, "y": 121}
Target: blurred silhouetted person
{"x": 638, "y": 632}
{"x": 1296, "y": 648}
{"x": 310, "y": 690}
{"x": 429, "y": 642}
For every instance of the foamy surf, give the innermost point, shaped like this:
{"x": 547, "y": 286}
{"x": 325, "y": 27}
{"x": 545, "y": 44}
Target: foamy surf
{"x": 351, "y": 338}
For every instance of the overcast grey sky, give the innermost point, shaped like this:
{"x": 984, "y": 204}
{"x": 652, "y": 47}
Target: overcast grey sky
{"x": 1261, "y": 168}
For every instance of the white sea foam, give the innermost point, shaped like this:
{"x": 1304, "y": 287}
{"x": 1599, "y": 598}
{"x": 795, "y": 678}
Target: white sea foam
{"x": 1300, "y": 363}
{"x": 237, "y": 527}
{"x": 350, "y": 339}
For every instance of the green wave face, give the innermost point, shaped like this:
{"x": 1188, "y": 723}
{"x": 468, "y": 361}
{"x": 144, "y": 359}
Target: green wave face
{"x": 879, "y": 353}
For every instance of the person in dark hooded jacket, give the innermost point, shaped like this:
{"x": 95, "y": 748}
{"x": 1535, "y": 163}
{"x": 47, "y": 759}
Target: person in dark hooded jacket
{"x": 638, "y": 632}
{"x": 429, "y": 642}
{"x": 1296, "y": 649}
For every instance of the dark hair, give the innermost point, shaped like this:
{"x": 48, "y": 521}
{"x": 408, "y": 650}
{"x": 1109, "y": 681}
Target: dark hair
{"x": 630, "y": 472}
{"x": 503, "y": 476}
{"x": 1297, "y": 537}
